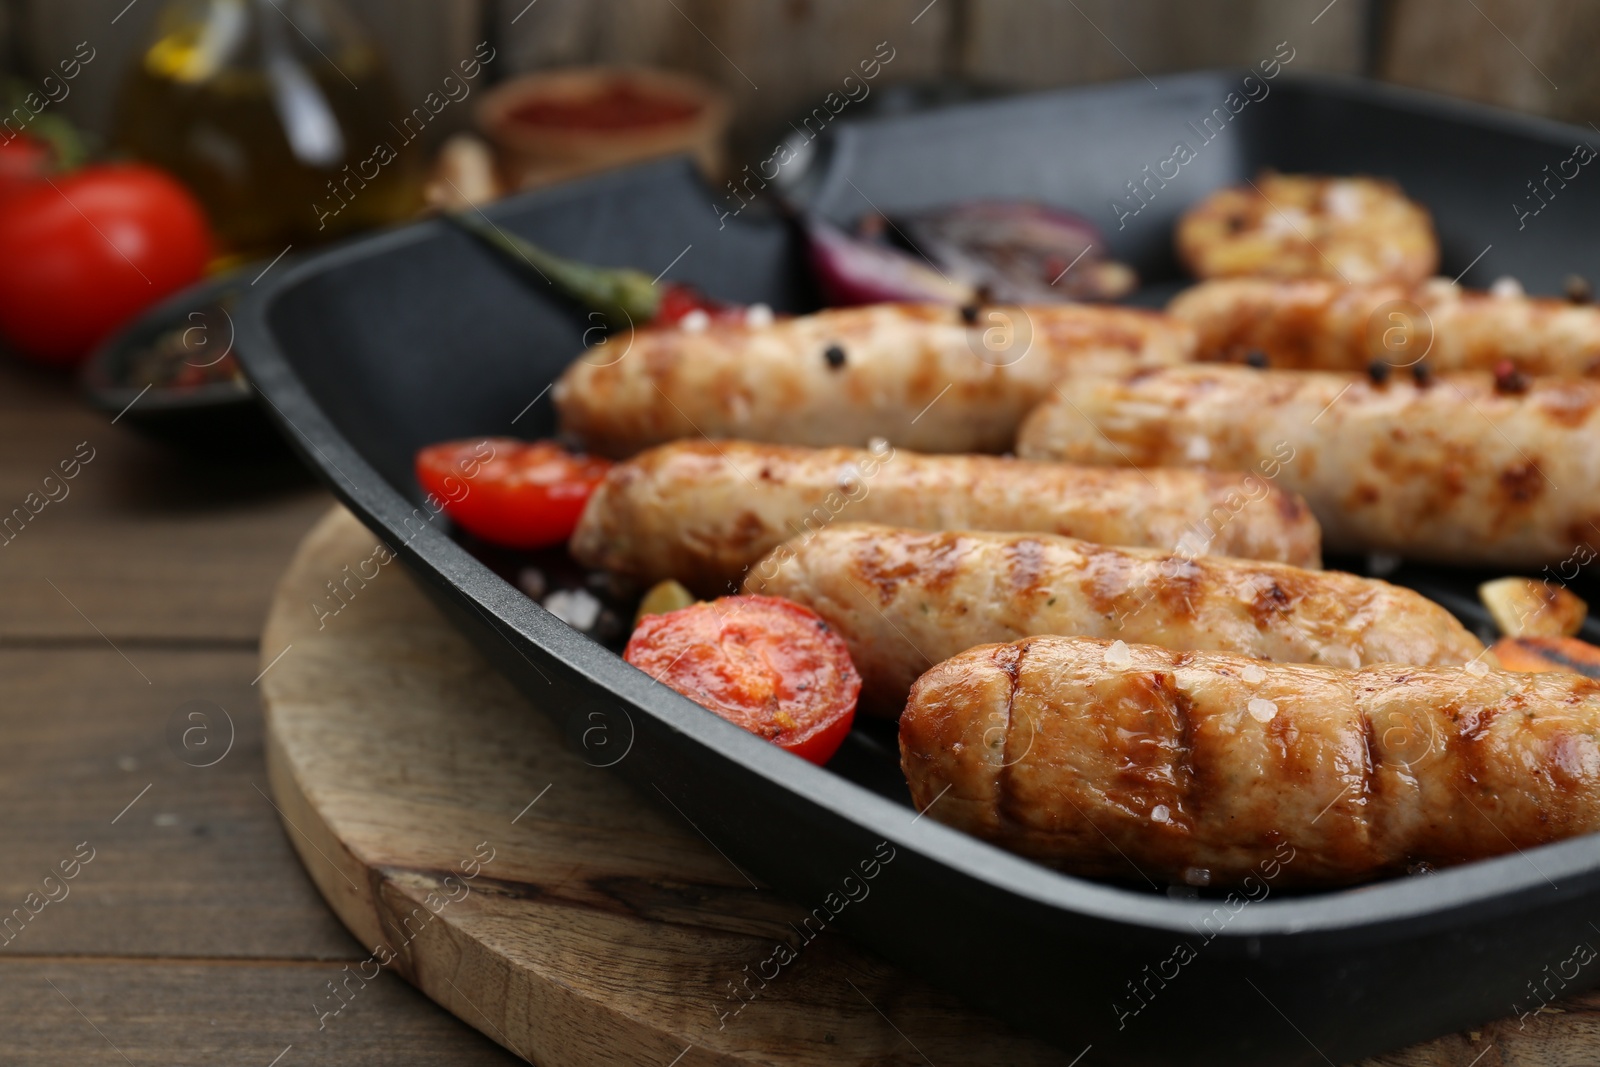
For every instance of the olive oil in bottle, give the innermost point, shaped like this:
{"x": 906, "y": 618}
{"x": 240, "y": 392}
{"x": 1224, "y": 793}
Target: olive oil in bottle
{"x": 277, "y": 114}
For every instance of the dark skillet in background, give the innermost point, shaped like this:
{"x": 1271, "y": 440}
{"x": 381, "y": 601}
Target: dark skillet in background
{"x": 370, "y": 351}
{"x": 216, "y": 419}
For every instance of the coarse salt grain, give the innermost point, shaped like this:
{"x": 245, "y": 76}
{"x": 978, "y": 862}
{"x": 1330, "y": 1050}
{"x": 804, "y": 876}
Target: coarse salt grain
{"x": 1262, "y": 710}
{"x": 1253, "y": 674}
{"x": 758, "y": 316}
{"x": 695, "y": 321}
{"x": 1159, "y": 813}
{"x": 575, "y": 607}
{"x": 1118, "y": 655}
{"x": 1477, "y": 668}
{"x": 1506, "y": 287}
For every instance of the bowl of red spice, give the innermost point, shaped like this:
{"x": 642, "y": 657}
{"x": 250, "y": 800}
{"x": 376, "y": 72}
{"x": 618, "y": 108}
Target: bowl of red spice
{"x": 554, "y": 125}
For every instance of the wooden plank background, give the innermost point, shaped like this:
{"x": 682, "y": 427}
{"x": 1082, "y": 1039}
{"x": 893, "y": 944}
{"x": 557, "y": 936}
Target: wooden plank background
{"x": 1537, "y": 57}
{"x": 777, "y": 58}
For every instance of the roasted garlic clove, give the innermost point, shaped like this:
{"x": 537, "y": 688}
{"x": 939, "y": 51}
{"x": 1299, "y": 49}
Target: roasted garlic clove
{"x": 1526, "y": 607}
{"x": 663, "y": 597}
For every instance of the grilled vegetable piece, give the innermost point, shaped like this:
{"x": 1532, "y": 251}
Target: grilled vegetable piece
{"x": 704, "y": 511}
{"x": 903, "y": 600}
{"x": 1537, "y": 655}
{"x": 1461, "y": 469}
{"x": 1020, "y": 251}
{"x": 1523, "y": 607}
{"x": 850, "y": 270}
{"x": 1316, "y": 324}
{"x": 765, "y": 664}
{"x": 1130, "y": 761}
{"x": 1354, "y": 230}
{"x": 664, "y": 596}
{"x": 521, "y": 494}
{"x": 620, "y": 294}
{"x": 920, "y": 375}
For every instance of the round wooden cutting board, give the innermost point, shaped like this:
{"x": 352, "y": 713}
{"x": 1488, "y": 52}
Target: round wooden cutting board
{"x": 544, "y": 902}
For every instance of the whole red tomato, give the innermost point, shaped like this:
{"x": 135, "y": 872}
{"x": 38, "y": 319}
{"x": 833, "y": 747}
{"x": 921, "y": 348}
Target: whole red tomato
{"x": 84, "y": 253}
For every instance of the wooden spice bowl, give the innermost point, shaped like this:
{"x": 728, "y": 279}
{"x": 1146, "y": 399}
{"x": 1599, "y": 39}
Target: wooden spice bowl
{"x": 553, "y": 125}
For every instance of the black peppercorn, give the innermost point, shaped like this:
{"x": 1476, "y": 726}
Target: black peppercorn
{"x": 969, "y": 314}
{"x": 834, "y": 354}
{"x": 1422, "y": 374}
{"x": 1256, "y": 358}
{"x": 1508, "y": 379}
{"x": 1578, "y": 289}
{"x": 1378, "y": 371}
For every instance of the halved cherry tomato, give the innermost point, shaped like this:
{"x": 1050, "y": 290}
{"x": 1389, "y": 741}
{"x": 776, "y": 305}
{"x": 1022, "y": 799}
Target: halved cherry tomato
{"x": 679, "y": 300}
{"x": 764, "y": 663}
{"x": 521, "y": 494}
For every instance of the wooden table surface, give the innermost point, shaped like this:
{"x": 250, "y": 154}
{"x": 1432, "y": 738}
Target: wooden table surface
{"x": 192, "y": 934}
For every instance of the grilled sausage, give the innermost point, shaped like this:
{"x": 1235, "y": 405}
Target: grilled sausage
{"x": 1357, "y": 230}
{"x": 1460, "y": 471}
{"x": 904, "y": 599}
{"x": 703, "y": 511}
{"x": 916, "y": 374}
{"x": 1122, "y": 761}
{"x": 1324, "y": 325}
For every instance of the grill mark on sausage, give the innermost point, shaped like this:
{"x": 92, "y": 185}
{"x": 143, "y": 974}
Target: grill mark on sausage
{"x": 1148, "y": 777}
{"x": 745, "y": 530}
{"x": 1270, "y": 601}
{"x": 1372, "y": 759}
{"x": 1008, "y": 658}
{"x": 1107, "y": 578}
{"x": 1474, "y": 723}
{"x": 1522, "y": 483}
{"x": 1178, "y": 583}
{"x": 1466, "y": 726}
{"x": 941, "y": 565}
{"x": 1191, "y": 796}
{"x": 1371, "y": 783}
{"x": 933, "y": 562}
{"x": 1568, "y": 406}
{"x": 1025, "y": 566}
